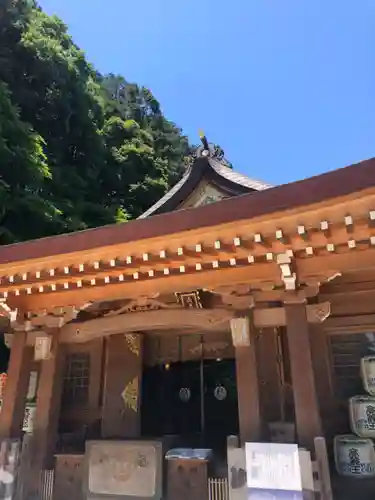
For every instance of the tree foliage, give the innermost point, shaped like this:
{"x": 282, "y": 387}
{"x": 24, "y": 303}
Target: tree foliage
{"x": 77, "y": 149}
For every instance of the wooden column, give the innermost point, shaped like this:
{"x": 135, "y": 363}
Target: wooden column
{"x": 322, "y": 372}
{"x": 308, "y": 421}
{"x": 121, "y": 416}
{"x": 250, "y": 423}
{"x": 13, "y": 407}
{"x": 269, "y": 375}
{"x": 46, "y": 420}
{"x": 38, "y": 455}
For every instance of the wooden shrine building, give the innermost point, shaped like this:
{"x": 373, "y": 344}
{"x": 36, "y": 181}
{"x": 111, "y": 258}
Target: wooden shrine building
{"x": 230, "y": 306}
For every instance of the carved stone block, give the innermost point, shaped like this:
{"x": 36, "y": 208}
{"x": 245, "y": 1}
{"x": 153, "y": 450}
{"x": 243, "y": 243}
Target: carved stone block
{"x": 123, "y": 469}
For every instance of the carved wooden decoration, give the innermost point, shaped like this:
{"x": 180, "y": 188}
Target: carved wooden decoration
{"x": 317, "y": 313}
{"x": 130, "y": 394}
{"x": 210, "y": 347}
{"x": 143, "y": 304}
{"x": 133, "y": 342}
{"x": 190, "y": 300}
{"x": 240, "y": 328}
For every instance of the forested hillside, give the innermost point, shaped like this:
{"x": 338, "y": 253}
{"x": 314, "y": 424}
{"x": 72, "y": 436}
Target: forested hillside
{"x": 77, "y": 149}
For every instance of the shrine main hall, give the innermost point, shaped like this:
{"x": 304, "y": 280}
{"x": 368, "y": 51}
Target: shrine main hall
{"x": 231, "y": 307}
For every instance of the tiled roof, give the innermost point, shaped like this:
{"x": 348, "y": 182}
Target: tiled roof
{"x": 238, "y": 178}
{"x": 225, "y": 173}
{"x": 328, "y": 186}
{"x": 167, "y": 195}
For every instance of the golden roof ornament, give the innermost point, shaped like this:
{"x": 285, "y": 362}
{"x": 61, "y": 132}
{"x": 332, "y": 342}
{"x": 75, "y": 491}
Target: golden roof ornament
{"x": 210, "y": 150}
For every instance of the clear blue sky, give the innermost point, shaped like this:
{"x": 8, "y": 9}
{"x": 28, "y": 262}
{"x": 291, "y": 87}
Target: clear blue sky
{"x": 286, "y": 87}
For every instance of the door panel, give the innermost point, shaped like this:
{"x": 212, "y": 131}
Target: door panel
{"x": 190, "y": 398}
{"x": 220, "y": 398}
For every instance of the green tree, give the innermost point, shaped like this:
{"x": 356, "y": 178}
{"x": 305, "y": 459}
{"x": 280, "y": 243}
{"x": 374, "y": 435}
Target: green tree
{"x": 23, "y": 173}
{"x": 110, "y": 151}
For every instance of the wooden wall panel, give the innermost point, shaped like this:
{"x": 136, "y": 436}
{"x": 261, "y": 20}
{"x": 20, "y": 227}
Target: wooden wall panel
{"x": 74, "y": 417}
{"x": 187, "y": 347}
{"x": 122, "y": 385}
{"x": 350, "y": 303}
{"x": 68, "y": 477}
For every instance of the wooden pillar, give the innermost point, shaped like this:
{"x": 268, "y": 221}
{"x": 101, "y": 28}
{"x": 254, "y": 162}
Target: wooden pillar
{"x": 307, "y": 415}
{"x": 322, "y": 372}
{"x": 46, "y": 419}
{"x": 250, "y": 423}
{"x": 15, "y": 392}
{"x": 269, "y": 375}
{"x": 38, "y": 455}
{"x": 121, "y": 416}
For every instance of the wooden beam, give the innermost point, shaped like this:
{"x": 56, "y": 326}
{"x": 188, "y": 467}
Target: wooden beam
{"x": 175, "y": 283}
{"x": 356, "y": 303}
{"x": 200, "y": 319}
{"x": 349, "y": 261}
{"x": 288, "y": 220}
{"x": 349, "y": 324}
{"x": 276, "y": 316}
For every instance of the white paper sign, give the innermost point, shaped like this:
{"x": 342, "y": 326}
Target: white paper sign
{"x": 273, "y": 466}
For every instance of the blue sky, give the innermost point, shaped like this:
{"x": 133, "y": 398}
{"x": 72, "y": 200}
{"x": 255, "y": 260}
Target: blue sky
{"x": 286, "y": 87}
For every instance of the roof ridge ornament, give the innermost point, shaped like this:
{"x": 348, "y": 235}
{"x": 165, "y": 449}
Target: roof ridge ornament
{"x": 210, "y": 150}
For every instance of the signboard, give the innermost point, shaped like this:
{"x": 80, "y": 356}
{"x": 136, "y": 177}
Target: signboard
{"x": 273, "y": 471}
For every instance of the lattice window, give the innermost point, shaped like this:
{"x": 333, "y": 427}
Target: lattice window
{"x": 77, "y": 379}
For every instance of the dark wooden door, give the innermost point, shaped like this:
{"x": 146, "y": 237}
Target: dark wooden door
{"x": 191, "y": 399}
{"x": 220, "y": 399}
{"x": 171, "y": 399}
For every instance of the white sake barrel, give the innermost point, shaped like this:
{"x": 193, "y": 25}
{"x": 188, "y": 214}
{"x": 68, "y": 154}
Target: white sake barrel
{"x": 362, "y": 415}
{"x": 354, "y": 457}
{"x": 368, "y": 374}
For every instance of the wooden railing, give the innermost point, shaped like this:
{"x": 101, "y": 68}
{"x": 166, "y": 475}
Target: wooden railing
{"x": 218, "y": 488}
{"x": 47, "y": 478}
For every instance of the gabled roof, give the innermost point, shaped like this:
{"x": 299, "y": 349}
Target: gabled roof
{"x": 213, "y": 170}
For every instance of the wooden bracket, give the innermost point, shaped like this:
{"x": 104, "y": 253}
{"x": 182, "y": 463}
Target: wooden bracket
{"x": 287, "y": 268}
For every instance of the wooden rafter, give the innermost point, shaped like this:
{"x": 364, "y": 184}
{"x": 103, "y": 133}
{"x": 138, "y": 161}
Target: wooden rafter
{"x": 324, "y": 243}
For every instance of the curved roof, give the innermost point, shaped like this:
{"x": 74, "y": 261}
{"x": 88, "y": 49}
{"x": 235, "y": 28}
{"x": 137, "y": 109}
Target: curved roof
{"x": 293, "y": 196}
{"x": 214, "y": 171}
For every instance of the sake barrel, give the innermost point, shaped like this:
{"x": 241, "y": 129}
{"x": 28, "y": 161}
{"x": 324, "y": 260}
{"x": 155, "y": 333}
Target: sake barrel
{"x": 362, "y": 415}
{"x": 368, "y": 374}
{"x": 354, "y": 456}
